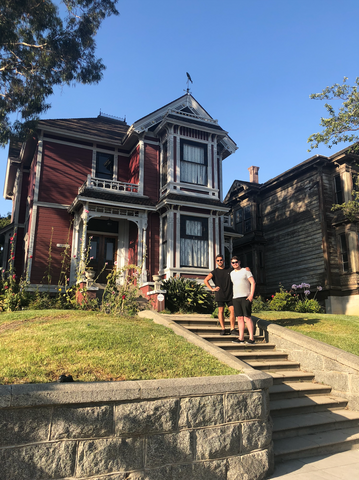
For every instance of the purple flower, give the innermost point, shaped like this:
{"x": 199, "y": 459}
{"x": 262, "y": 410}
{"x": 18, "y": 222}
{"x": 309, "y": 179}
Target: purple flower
{"x": 306, "y": 292}
{"x": 294, "y": 287}
{"x": 319, "y": 288}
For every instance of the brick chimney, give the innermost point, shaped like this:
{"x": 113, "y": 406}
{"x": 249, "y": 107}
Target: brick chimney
{"x": 253, "y": 174}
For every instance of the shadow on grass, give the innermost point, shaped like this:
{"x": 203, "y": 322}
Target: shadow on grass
{"x": 295, "y": 322}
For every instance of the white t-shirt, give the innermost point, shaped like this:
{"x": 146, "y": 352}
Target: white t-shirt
{"x": 241, "y": 284}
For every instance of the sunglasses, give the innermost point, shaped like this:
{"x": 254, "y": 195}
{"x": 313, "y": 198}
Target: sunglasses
{"x": 233, "y": 263}
{"x": 219, "y": 261}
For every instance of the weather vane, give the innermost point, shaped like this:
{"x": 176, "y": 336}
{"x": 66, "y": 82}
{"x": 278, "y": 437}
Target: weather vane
{"x": 189, "y": 79}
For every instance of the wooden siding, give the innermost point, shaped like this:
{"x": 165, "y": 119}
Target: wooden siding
{"x": 213, "y": 164}
{"x": 133, "y": 241}
{"x": 152, "y": 175}
{"x": 23, "y": 197}
{"x": 153, "y": 245}
{"x": 175, "y": 159}
{"x": 19, "y": 253}
{"x": 292, "y": 229}
{"x": 55, "y": 222}
{"x": 123, "y": 168}
{"x": 134, "y": 166}
{"x": 64, "y": 170}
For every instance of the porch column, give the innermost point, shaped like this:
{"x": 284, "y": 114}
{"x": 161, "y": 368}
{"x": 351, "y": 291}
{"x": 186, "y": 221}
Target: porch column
{"x": 75, "y": 249}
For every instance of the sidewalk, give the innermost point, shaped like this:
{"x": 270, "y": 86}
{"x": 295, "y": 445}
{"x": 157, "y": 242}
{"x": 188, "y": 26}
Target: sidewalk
{"x": 338, "y": 466}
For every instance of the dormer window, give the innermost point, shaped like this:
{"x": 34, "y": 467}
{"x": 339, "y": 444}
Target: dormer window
{"x": 193, "y": 162}
{"x": 104, "y": 165}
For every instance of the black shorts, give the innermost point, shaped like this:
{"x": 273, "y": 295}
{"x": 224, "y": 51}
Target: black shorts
{"x": 229, "y": 303}
{"x": 242, "y": 307}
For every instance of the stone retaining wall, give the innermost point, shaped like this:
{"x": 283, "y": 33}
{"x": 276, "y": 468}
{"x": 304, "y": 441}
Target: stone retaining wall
{"x": 212, "y": 428}
{"x": 330, "y": 365}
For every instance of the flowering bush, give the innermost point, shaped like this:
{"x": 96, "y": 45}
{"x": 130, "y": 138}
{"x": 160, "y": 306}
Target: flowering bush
{"x": 187, "y": 295}
{"x": 13, "y": 295}
{"x": 121, "y": 292}
{"x": 296, "y": 300}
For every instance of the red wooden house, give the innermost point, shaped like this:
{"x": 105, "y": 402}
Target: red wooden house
{"x": 148, "y": 194}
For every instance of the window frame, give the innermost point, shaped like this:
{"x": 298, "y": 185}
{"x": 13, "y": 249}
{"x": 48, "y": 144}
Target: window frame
{"x": 101, "y": 174}
{"x": 204, "y": 147}
{"x": 204, "y": 237}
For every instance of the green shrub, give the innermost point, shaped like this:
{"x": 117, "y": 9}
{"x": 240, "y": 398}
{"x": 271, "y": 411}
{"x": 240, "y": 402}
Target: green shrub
{"x": 308, "y": 306}
{"x": 226, "y": 312}
{"x": 282, "y": 301}
{"x": 187, "y": 295}
{"x": 259, "y": 305}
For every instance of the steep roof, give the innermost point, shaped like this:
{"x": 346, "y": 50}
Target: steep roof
{"x": 100, "y": 127}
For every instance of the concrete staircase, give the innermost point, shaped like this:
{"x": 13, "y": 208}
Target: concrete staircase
{"x": 307, "y": 419}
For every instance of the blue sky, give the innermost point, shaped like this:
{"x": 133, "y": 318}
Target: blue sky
{"x": 254, "y": 64}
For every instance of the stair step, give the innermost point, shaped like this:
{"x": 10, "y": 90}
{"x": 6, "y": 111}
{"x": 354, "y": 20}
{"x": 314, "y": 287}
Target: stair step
{"x": 290, "y": 376}
{"x": 307, "y": 404}
{"x": 224, "y": 341}
{"x": 247, "y": 354}
{"x": 297, "y": 389}
{"x": 297, "y": 425}
{"x": 273, "y": 365}
{"x": 322, "y": 443}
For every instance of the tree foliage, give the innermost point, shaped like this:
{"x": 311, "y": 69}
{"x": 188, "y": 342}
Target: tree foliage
{"x": 39, "y": 48}
{"x": 341, "y": 125}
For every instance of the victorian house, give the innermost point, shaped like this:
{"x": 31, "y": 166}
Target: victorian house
{"x": 148, "y": 194}
{"x": 291, "y": 234}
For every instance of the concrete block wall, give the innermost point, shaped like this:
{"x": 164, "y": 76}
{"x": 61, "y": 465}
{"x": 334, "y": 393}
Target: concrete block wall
{"x": 330, "y": 365}
{"x": 212, "y": 428}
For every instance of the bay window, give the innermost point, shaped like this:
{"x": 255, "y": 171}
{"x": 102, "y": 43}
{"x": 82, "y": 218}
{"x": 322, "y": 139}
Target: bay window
{"x": 194, "y": 161}
{"x": 194, "y": 241}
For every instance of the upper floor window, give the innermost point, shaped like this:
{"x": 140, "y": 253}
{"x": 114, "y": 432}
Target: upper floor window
{"x": 104, "y": 165}
{"x": 194, "y": 241}
{"x": 355, "y": 181}
{"x": 164, "y": 165}
{"x": 193, "y": 162}
{"x": 164, "y": 242}
{"x": 338, "y": 188}
{"x": 344, "y": 252}
{"x": 243, "y": 219}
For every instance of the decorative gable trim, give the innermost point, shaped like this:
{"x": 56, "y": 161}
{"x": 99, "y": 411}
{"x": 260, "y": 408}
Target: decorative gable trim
{"x": 175, "y": 107}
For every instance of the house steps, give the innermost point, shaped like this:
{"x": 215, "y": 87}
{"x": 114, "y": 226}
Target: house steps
{"x": 307, "y": 419}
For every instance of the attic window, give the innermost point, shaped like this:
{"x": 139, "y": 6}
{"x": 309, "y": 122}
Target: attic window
{"x": 104, "y": 165}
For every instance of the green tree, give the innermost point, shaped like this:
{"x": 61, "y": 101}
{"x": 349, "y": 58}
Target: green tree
{"x": 40, "y": 47}
{"x": 341, "y": 125}
{"x": 5, "y": 220}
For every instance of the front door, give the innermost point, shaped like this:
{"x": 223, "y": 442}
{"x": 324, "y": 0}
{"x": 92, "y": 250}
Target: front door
{"x": 102, "y": 255}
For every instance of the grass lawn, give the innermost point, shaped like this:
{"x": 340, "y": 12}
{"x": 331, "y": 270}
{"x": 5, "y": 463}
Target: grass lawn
{"x": 340, "y": 331}
{"x": 39, "y": 346}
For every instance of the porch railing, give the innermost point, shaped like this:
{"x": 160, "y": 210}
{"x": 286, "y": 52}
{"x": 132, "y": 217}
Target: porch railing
{"x": 113, "y": 185}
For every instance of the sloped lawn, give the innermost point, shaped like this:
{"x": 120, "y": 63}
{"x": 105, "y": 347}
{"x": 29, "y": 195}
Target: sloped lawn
{"x": 39, "y": 346}
{"x": 340, "y": 331}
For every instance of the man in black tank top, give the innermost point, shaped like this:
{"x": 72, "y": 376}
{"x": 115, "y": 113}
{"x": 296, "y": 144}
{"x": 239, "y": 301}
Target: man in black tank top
{"x": 220, "y": 276}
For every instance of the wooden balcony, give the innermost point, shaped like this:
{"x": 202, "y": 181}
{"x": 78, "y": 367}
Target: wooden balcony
{"x": 109, "y": 185}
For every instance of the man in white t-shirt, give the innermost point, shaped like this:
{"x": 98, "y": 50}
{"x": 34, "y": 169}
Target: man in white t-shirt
{"x": 243, "y": 292}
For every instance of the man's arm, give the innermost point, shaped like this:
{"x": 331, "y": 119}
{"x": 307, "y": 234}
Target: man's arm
{"x": 206, "y": 282}
{"x": 253, "y": 287}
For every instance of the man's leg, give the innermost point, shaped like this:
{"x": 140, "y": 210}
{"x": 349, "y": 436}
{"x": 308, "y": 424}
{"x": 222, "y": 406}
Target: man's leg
{"x": 250, "y": 327}
{"x": 221, "y": 317}
{"x": 240, "y": 321}
{"x": 232, "y": 317}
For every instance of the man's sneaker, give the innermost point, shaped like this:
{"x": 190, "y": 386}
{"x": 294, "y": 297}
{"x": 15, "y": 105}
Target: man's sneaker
{"x": 251, "y": 342}
{"x": 224, "y": 332}
{"x": 237, "y": 341}
{"x": 234, "y": 332}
